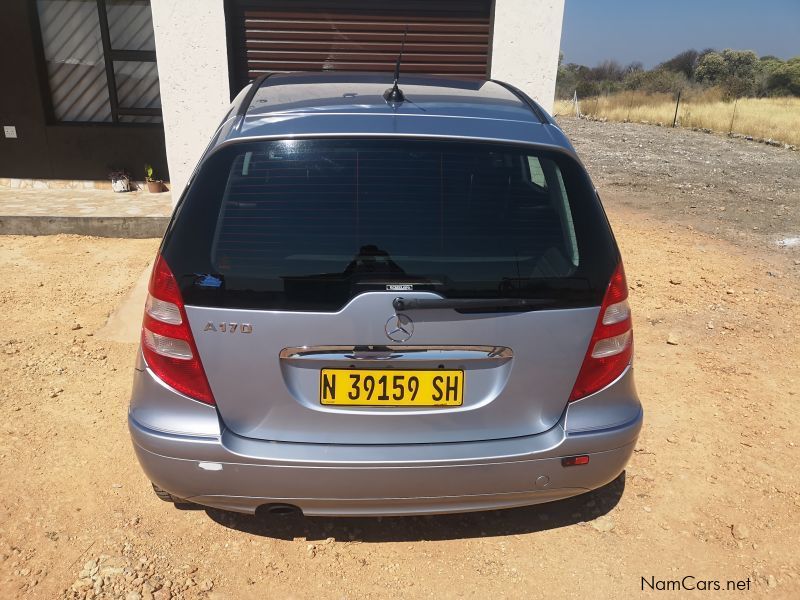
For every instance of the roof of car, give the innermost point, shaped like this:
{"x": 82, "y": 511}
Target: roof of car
{"x": 330, "y": 104}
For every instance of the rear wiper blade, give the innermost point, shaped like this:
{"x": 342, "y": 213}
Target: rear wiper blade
{"x": 470, "y": 303}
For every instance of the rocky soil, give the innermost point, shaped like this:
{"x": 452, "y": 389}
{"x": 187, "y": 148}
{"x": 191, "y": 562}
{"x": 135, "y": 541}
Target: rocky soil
{"x": 744, "y": 191}
{"x": 712, "y": 491}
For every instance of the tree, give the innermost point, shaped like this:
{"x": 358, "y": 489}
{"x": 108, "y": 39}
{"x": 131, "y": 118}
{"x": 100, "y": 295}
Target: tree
{"x": 785, "y": 79}
{"x": 685, "y": 62}
{"x": 570, "y": 77}
{"x": 608, "y": 70}
{"x": 736, "y": 73}
{"x": 742, "y": 71}
{"x": 733, "y": 70}
{"x": 767, "y": 67}
{"x": 634, "y": 67}
{"x": 711, "y": 69}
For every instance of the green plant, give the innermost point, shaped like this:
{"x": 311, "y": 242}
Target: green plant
{"x": 148, "y": 173}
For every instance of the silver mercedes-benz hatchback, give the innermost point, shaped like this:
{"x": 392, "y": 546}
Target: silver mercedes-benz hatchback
{"x": 379, "y": 303}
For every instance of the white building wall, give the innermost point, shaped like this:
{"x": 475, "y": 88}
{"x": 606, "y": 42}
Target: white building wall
{"x": 525, "y": 46}
{"x": 193, "y": 72}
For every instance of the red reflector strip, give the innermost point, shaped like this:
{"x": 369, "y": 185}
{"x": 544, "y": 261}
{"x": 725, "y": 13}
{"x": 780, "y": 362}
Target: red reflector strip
{"x": 573, "y": 461}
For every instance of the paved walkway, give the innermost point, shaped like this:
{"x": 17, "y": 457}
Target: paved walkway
{"x": 84, "y": 203}
{"x": 89, "y": 212}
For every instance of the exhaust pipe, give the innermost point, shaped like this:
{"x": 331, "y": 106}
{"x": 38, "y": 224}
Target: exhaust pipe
{"x": 282, "y": 509}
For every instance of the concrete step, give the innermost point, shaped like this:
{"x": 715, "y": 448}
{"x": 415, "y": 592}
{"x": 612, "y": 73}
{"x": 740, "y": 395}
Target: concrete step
{"x": 84, "y": 212}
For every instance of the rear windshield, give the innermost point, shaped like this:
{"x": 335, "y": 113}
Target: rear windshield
{"x": 309, "y": 224}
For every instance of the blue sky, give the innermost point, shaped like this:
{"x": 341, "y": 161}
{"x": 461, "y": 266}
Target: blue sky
{"x": 651, "y": 31}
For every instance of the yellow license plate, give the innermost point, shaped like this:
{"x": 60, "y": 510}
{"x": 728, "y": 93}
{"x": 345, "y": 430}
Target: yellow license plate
{"x": 376, "y": 387}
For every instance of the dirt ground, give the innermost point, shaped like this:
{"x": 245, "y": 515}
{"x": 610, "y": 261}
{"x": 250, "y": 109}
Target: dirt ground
{"x": 711, "y": 492}
{"x": 746, "y": 192}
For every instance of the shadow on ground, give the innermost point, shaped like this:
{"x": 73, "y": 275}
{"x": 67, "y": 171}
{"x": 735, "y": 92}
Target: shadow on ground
{"x": 542, "y": 517}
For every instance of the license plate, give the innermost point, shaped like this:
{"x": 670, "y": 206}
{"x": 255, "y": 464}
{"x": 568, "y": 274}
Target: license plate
{"x": 376, "y": 387}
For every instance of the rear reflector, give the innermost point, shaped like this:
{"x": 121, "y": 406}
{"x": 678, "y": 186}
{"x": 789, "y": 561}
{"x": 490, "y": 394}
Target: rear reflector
{"x": 611, "y": 347}
{"x": 616, "y": 313}
{"x": 574, "y": 461}
{"x": 166, "y": 346}
{"x": 166, "y": 312}
{"x": 167, "y": 343}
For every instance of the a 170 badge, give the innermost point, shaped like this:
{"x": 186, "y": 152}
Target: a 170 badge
{"x": 229, "y": 327}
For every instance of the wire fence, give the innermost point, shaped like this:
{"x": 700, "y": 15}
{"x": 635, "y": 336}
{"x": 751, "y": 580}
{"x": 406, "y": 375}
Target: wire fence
{"x": 773, "y": 120}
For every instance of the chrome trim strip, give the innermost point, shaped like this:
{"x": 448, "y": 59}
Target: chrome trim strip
{"x": 375, "y": 353}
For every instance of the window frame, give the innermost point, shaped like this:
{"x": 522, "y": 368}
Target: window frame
{"x": 110, "y": 55}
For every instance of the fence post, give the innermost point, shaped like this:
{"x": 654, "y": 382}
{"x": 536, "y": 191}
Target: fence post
{"x": 677, "y": 104}
{"x": 575, "y": 103}
{"x": 730, "y": 131}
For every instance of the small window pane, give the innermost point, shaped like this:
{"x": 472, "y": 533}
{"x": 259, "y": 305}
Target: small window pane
{"x": 137, "y": 86}
{"x": 537, "y": 175}
{"x": 74, "y": 54}
{"x": 566, "y": 219}
{"x": 130, "y": 25}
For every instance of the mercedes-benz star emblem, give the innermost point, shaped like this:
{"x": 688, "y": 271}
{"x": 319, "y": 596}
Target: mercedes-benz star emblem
{"x": 399, "y": 328}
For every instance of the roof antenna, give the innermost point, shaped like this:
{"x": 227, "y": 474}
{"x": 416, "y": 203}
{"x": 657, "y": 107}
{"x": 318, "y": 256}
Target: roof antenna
{"x": 394, "y": 95}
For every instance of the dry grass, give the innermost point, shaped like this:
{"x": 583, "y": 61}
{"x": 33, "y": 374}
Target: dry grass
{"x": 765, "y": 118}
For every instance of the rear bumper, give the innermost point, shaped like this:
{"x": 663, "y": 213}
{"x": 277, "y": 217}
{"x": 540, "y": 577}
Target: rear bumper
{"x": 230, "y": 472}
{"x": 233, "y": 482}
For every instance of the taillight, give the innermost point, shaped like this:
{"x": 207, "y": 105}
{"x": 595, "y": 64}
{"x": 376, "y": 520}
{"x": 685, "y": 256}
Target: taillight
{"x": 167, "y": 342}
{"x": 611, "y": 348}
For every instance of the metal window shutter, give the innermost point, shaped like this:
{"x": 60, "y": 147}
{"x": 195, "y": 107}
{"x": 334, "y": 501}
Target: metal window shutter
{"x": 445, "y": 37}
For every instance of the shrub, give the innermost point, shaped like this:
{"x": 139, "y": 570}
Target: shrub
{"x": 731, "y": 73}
{"x": 784, "y": 79}
{"x": 685, "y": 62}
{"x": 658, "y": 81}
{"x": 733, "y": 70}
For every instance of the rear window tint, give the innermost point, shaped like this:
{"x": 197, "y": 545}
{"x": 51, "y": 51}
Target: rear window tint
{"x": 308, "y": 224}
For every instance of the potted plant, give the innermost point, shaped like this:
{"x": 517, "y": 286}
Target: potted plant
{"x": 120, "y": 180}
{"x": 154, "y": 186}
